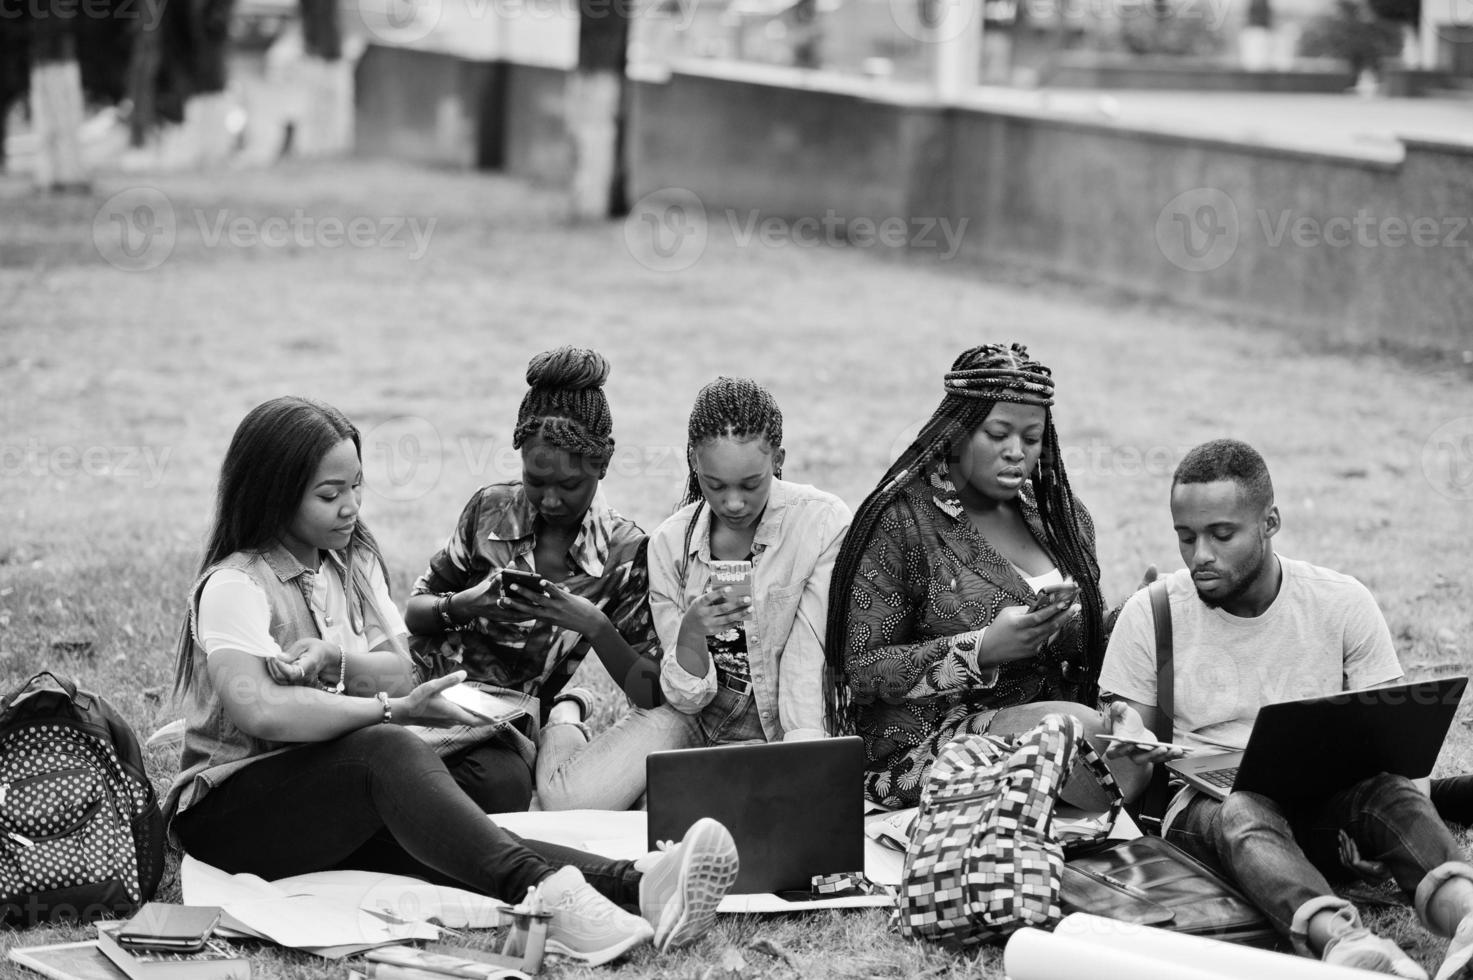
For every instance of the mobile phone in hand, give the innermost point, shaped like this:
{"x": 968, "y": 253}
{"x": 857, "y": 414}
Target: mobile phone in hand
{"x": 1176, "y": 749}
{"x": 526, "y": 581}
{"x": 734, "y": 575}
{"x": 1061, "y": 595}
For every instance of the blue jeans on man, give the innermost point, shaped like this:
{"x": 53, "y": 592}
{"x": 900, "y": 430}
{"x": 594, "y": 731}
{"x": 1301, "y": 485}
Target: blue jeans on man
{"x": 1280, "y": 855}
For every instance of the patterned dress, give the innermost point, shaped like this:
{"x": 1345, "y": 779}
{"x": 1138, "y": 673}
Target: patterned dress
{"x": 925, "y": 580}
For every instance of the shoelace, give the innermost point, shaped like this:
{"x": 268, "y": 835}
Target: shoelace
{"x": 584, "y": 901}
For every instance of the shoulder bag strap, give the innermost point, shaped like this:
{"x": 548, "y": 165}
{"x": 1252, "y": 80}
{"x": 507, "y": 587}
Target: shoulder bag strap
{"x": 1158, "y": 793}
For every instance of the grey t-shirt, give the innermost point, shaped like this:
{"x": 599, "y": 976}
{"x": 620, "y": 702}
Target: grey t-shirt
{"x": 1322, "y": 634}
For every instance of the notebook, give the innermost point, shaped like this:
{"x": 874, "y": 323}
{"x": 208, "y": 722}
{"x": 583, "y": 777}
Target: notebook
{"x": 1312, "y": 748}
{"x": 795, "y": 809}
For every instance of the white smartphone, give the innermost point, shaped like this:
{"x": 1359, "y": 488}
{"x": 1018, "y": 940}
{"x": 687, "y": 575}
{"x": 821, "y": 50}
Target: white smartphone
{"x": 1176, "y": 749}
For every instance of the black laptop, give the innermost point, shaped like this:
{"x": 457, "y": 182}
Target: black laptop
{"x": 1312, "y": 748}
{"x": 795, "y": 809}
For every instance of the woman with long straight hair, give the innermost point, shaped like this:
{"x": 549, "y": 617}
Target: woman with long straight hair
{"x": 298, "y": 684}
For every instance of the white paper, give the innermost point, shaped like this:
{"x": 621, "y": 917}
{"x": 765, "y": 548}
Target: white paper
{"x": 300, "y": 921}
{"x": 1032, "y": 954}
{"x": 1226, "y": 959}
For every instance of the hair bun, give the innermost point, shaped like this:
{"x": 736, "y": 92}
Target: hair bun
{"x": 568, "y": 368}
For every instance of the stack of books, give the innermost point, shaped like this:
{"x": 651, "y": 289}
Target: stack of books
{"x": 160, "y": 942}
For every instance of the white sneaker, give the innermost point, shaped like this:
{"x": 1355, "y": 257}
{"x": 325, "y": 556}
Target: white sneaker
{"x": 1457, "y": 964}
{"x": 1361, "y": 949}
{"x": 585, "y": 925}
{"x": 679, "y": 893}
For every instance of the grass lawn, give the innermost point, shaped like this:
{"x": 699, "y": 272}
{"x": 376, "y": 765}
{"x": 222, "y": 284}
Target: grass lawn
{"x": 119, "y": 392}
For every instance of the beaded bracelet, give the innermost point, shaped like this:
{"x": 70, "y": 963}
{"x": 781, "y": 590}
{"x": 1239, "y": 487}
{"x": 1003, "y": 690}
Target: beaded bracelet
{"x": 442, "y": 609}
{"x": 383, "y": 700}
{"x": 342, "y": 671}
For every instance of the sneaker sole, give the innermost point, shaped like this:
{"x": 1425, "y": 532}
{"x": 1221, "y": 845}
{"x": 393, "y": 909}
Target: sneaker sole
{"x": 707, "y": 872}
{"x": 598, "y": 957}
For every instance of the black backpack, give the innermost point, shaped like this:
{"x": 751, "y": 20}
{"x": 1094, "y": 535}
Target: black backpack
{"x": 81, "y": 834}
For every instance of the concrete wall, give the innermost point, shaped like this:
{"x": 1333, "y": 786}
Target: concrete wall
{"x": 1319, "y": 242}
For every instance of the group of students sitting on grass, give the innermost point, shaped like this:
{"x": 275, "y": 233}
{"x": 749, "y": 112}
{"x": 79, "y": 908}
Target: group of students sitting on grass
{"x": 909, "y": 622}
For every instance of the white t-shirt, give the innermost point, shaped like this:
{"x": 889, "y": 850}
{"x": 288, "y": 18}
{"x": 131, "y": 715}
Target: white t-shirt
{"x": 234, "y": 614}
{"x": 1323, "y": 633}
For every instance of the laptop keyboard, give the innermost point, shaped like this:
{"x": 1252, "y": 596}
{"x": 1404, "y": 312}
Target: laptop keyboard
{"x": 1220, "y": 777}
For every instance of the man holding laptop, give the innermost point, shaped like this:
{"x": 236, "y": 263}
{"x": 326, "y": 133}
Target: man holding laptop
{"x": 1251, "y": 629}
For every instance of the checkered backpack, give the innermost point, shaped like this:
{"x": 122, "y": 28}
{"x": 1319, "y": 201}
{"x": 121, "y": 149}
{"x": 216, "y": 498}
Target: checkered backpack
{"x": 81, "y": 835}
{"x": 983, "y": 861}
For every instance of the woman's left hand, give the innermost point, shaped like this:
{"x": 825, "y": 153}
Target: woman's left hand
{"x": 311, "y": 661}
{"x": 559, "y": 607}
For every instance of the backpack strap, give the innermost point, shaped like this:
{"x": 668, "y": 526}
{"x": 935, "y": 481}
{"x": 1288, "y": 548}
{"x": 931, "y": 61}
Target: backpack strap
{"x": 64, "y": 683}
{"x": 1158, "y": 793}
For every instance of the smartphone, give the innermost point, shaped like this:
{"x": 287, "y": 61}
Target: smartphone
{"x": 526, "y": 581}
{"x": 734, "y": 575}
{"x": 1061, "y": 595}
{"x": 1177, "y": 749}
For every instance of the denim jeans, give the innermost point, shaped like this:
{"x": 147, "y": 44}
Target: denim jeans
{"x": 1280, "y": 855}
{"x": 608, "y": 772}
{"x": 376, "y": 799}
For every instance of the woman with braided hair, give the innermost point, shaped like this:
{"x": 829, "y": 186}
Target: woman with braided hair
{"x": 748, "y": 668}
{"x": 517, "y": 641}
{"x": 929, "y": 629}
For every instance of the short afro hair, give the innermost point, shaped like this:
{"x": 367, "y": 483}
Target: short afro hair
{"x": 1227, "y": 459}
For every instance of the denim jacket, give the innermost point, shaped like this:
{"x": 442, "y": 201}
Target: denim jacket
{"x": 214, "y": 748}
{"x": 794, "y": 549}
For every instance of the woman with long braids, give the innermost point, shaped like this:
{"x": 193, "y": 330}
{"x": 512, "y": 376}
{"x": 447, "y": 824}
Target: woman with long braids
{"x": 929, "y": 631}
{"x": 519, "y": 642}
{"x": 747, "y": 669}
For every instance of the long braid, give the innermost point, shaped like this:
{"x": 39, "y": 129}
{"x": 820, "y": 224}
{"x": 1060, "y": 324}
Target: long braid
{"x": 565, "y": 404}
{"x": 975, "y": 374}
{"x": 736, "y": 407}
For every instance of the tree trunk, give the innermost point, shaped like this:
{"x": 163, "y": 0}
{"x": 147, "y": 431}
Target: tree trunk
{"x": 56, "y": 103}
{"x": 595, "y": 109}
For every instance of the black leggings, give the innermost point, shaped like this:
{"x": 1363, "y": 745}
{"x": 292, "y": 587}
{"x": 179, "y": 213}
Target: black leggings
{"x": 377, "y": 799}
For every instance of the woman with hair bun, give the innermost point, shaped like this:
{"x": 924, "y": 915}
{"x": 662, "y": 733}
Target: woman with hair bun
{"x": 931, "y": 633}
{"x": 526, "y": 642}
